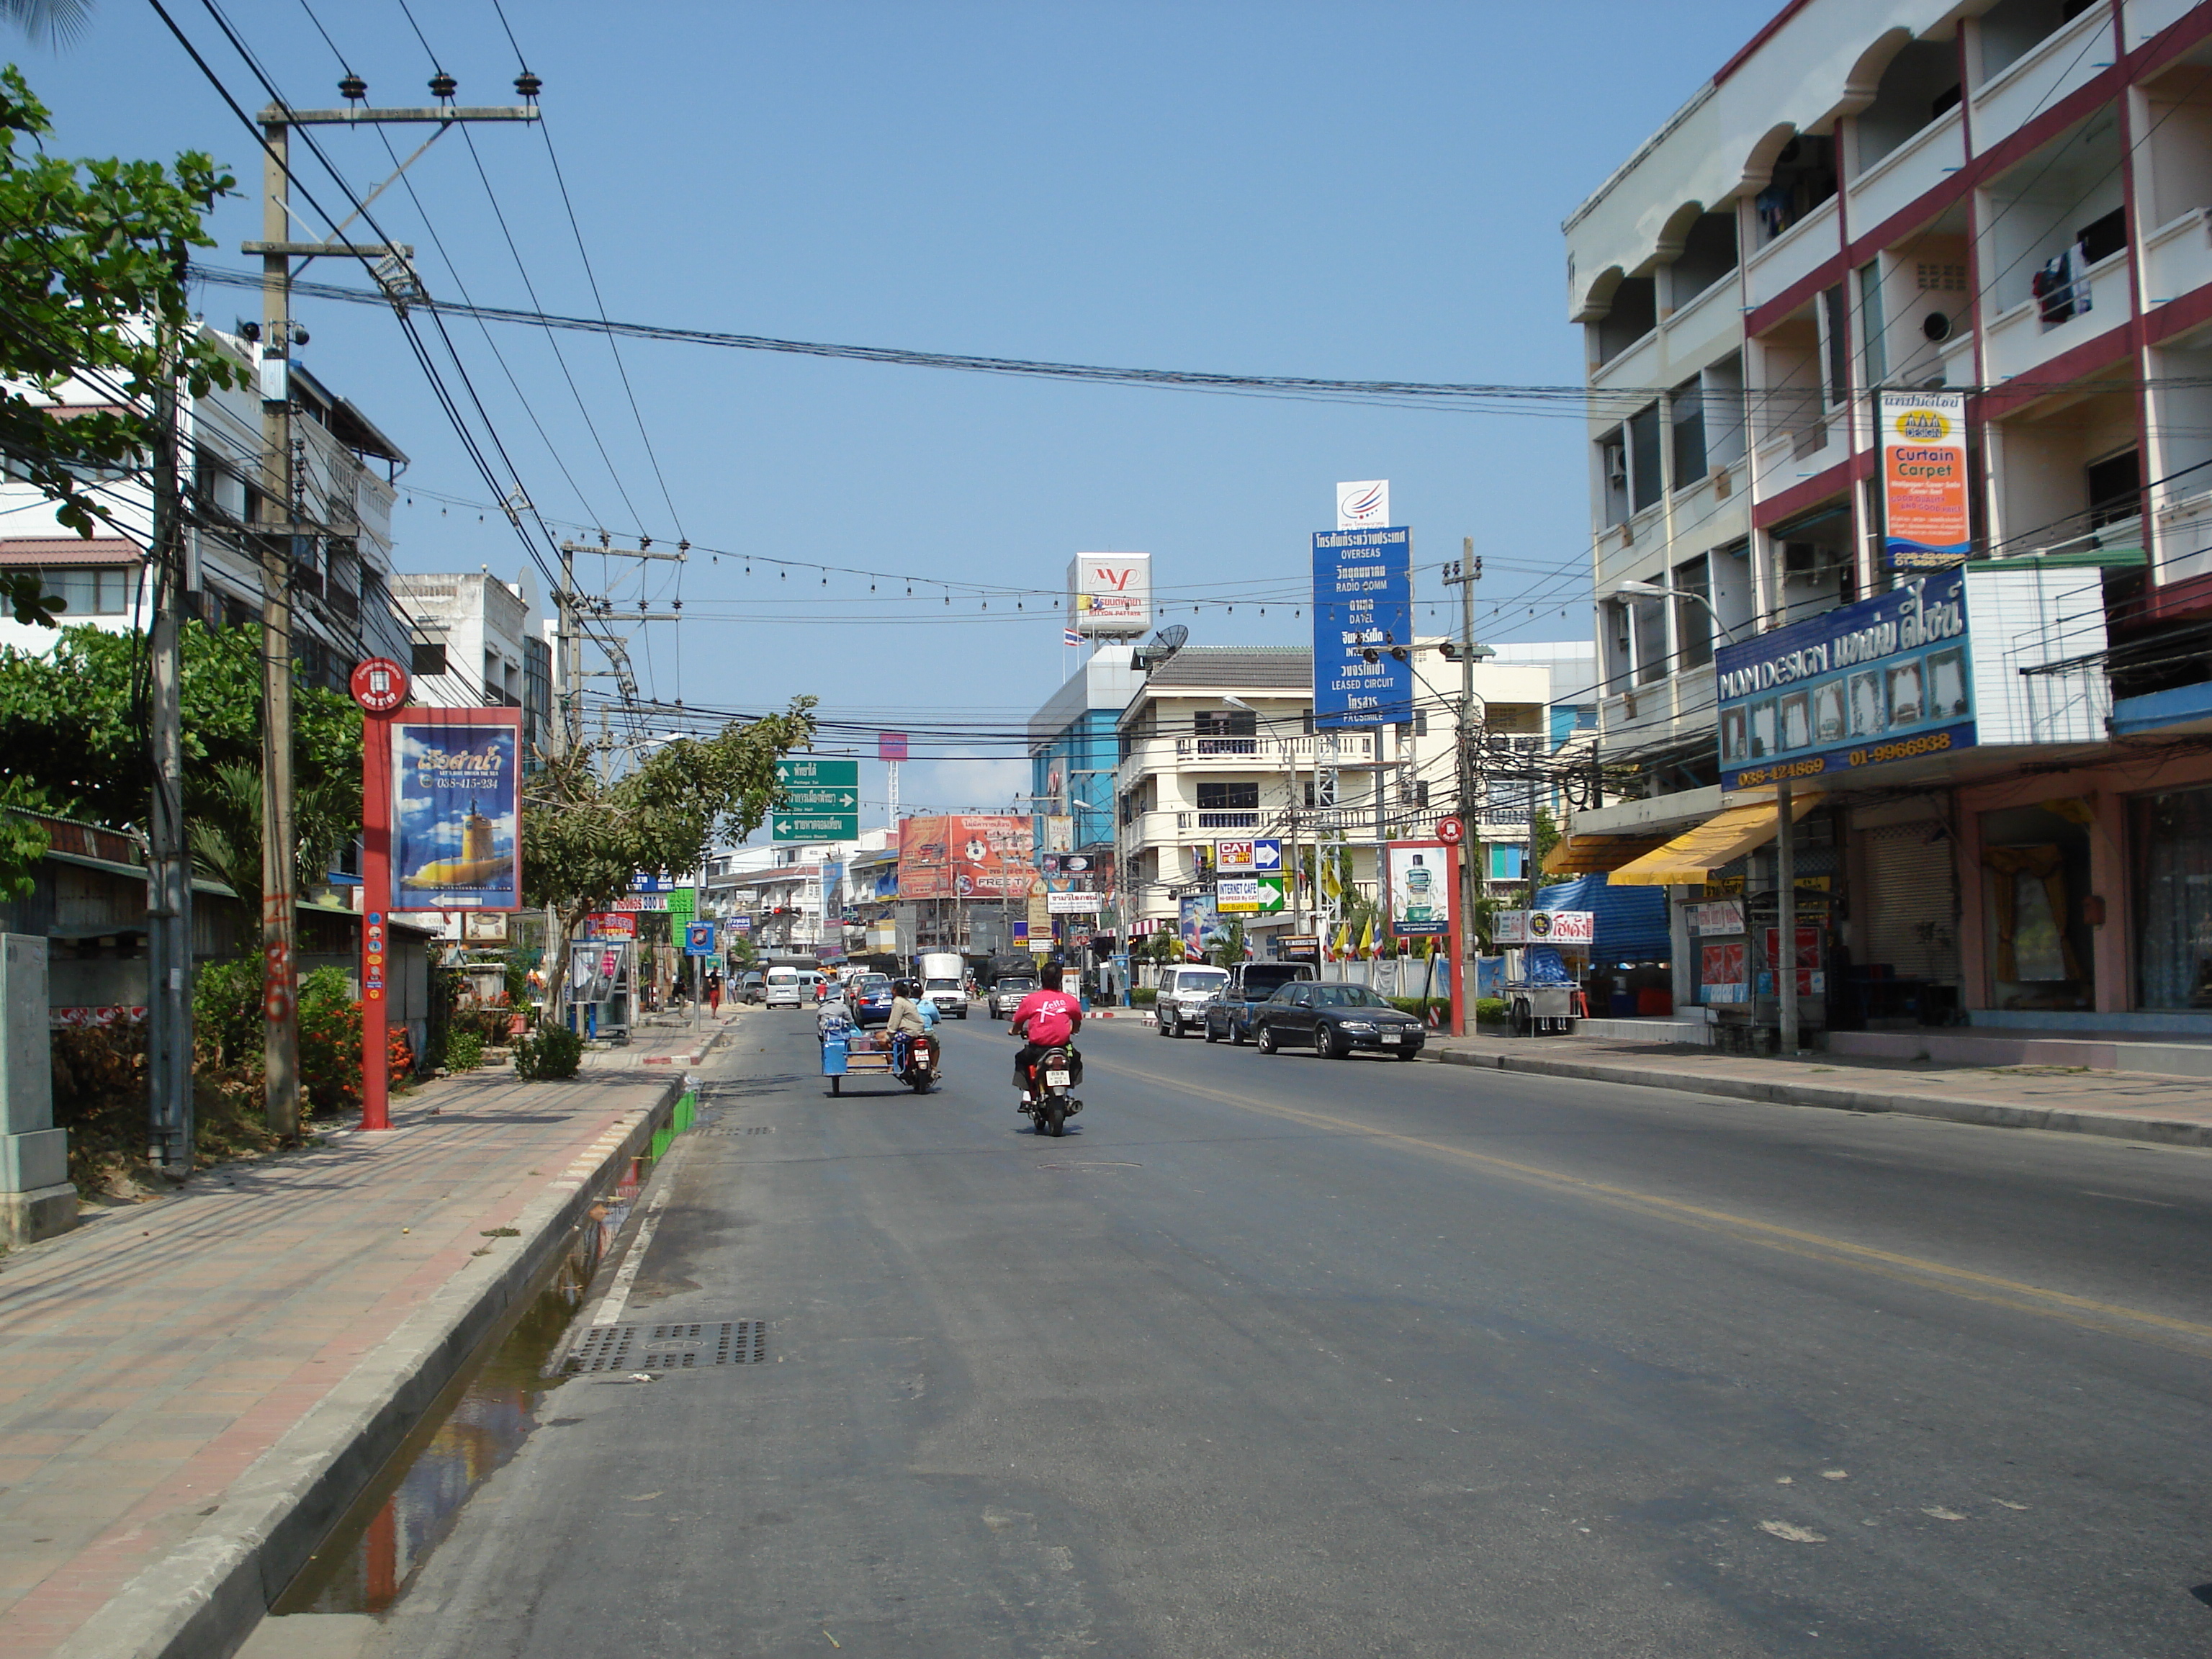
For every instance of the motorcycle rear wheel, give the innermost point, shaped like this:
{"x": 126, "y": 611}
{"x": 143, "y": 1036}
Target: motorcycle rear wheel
{"x": 1055, "y": 1119}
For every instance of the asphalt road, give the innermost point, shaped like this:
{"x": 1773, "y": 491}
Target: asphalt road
{"x": 1283, "y": 1356}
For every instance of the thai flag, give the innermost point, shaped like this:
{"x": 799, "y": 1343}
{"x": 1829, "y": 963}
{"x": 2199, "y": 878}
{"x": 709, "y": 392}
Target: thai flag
{"x": 1068, "y": 637}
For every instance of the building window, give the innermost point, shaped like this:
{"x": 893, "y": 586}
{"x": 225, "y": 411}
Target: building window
{"x": 1228, "y": 797}
{"x": 2173, "y": 899}
{"x": 1321, "y": 791}
{"x": 1645, "y": 481}
{"x": 1414, "y": 794}
{"x": 1225, "y": 723}
{"x": 89, "y": 593}
{"x": 1686, "y": 406}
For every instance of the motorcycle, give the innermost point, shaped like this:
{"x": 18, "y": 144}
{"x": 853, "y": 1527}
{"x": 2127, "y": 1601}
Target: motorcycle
{"x": 1046, "y": 1102}
{"x": 914, "y": 1061}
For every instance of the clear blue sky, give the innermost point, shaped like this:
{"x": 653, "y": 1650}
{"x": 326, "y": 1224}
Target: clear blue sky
{"x": 1342, "y": 191}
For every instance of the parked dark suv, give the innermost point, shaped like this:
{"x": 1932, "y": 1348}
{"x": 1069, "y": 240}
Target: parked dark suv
{"x": 1250, "y": 983}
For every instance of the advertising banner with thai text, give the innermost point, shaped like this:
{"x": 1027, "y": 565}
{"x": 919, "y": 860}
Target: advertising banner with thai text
{"x": 1923, "y": 479}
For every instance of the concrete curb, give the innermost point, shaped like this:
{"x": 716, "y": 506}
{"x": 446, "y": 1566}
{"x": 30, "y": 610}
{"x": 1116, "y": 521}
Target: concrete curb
{"x": 204, "y": 1598}
{"x": 1834, "y": 1097}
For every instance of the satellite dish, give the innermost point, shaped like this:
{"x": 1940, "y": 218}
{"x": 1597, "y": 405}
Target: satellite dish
{"x": 1162, "y": 646}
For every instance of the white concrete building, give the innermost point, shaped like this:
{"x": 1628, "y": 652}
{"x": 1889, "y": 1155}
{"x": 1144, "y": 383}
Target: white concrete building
{"x": 2006, "y": 198}
{"x": 480, "y": 642}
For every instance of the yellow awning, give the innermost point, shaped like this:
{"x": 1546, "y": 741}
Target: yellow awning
{"x": 1691, "y": 857}
{"x": 1581, "y": 854}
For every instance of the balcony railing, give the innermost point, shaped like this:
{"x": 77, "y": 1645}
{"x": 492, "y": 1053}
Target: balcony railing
{"x": 1227, "y": 820}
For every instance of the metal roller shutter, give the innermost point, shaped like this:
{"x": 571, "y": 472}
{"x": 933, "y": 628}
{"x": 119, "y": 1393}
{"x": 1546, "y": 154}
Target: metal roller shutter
{"x": 1911, "y": 913}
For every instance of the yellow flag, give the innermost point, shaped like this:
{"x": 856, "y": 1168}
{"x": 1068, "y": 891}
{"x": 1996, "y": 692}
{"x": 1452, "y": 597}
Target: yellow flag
{"x": 1367, "y": 939}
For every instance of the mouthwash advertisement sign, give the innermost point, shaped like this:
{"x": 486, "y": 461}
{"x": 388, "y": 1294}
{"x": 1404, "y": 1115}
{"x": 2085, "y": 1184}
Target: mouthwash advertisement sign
{"x": 1363, "y": 600}
{"x": 456, "y": 808}
{"x": 1420, "y": 890}
{"x": 1890, "y": 678}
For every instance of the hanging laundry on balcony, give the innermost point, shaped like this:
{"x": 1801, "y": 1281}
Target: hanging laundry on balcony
{"x": 2062, "y": 286}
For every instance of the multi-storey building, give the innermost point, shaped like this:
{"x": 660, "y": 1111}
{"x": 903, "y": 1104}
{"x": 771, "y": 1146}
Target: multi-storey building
{"x": 1219, "y": 744}
{"x": 480, "y": 642}
{"x": 2006, "y": 199}
{"x": 340, "y": 582}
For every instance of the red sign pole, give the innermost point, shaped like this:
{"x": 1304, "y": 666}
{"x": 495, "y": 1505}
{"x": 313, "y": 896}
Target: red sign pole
{"x": 380, "y": 686}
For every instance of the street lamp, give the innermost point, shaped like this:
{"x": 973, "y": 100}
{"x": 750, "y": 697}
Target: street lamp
{"x": 1653, "y": 591}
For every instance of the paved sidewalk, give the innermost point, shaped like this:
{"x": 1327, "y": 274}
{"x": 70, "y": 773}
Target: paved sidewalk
{"x": 187, "y": 1386}
{"x": 2173, "y": 1111}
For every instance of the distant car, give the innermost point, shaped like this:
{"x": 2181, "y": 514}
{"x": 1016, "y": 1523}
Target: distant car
{"x": 1250, "y": 984}
{"x": 870, "y": 998}
{"x": 1183, "y": 994}
{"x": 1006, "y": 994}
{"x": 1334, "y": 1018}
{"x": 784, "y": 989}
{"x": 950, "y": 998}
{"x": 753, "y": 988}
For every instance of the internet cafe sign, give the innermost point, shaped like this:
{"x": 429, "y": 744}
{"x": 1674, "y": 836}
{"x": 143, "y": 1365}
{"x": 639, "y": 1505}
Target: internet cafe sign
{"x": 1889, "y": 678}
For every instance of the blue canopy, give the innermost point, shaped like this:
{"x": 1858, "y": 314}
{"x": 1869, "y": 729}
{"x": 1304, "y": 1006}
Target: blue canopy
{"x": 1631, "y": 921}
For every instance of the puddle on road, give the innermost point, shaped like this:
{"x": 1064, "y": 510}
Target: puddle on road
{"x": 372, "y": 1556}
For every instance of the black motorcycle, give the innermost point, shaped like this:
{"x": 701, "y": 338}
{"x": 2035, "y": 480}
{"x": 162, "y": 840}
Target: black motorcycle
{"x": 1047, "y": 1102}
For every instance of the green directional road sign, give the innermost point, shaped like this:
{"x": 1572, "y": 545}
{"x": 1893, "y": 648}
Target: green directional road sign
{"x": 802, "y": 772}
{"x": 806, "y": 799}
{"x": 815, "y": 826}
{"x": 822, "y": 799}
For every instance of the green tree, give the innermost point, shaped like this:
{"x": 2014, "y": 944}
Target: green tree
{"x": 92, "y": 278}
{"x": 584, "y": 834}
{"x": 75, "y": 746}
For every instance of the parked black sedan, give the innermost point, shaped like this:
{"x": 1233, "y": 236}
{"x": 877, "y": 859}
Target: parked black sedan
{"x": 1334, "y": 1018}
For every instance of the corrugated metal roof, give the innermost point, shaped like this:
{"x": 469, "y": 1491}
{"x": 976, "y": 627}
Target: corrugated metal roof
{"x": 1263, "y": 667}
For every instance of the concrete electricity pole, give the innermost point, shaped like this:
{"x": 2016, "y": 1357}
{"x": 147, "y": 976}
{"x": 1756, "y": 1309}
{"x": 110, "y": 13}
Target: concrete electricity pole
{"x": 285, "y": 522}
{"x": 1463, "y": 575}
{"x": 169, "y": 866}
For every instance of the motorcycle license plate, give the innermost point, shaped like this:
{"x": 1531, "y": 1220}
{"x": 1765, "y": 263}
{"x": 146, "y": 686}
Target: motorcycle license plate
{"x": 1057, "y": 1079}
{"x": 1394, "y": 1037}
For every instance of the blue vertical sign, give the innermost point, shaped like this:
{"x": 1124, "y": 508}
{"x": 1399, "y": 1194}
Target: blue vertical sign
{"x": 1362, "y": 604}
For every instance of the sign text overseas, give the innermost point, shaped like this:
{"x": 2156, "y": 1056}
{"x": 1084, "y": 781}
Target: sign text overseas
{"x": 1916, "y": 626}
{"x": 452, "y": 767}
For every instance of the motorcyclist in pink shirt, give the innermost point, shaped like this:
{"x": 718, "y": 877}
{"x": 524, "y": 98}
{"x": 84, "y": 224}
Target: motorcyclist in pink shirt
{"x": 1045, "y": 1019}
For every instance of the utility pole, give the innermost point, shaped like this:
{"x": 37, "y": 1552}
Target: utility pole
{"x": 284, "y": 520}
{"x": 1785, "y": 907}
{"x": 169, "y": 871}
{"x": 1464, "y": 575}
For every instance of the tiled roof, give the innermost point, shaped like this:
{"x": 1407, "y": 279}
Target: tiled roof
{"x": 1264, "y": 667}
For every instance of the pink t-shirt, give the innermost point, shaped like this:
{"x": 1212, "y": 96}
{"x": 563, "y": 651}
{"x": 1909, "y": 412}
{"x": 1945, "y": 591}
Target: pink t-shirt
{"x": 1048, "y": 1017}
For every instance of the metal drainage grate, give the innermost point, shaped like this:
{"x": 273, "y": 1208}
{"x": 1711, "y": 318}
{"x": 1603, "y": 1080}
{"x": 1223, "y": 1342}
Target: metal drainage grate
{"x": 679, "y": 1347}
{"x": 745, "y": 1129}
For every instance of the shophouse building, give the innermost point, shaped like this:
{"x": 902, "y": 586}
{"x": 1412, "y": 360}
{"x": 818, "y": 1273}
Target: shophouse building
{"x": 480, "y": 642}
{"x": 2008, "y": 200}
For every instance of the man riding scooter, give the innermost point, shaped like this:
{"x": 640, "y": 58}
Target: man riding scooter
{"x": 1045, "y": 1019}
{"x": 912, "y": 1015}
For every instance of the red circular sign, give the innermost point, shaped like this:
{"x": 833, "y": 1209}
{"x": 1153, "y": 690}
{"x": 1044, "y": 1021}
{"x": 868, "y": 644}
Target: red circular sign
{"x": 1450, "y": 831}
{"x": 379, "y": 685}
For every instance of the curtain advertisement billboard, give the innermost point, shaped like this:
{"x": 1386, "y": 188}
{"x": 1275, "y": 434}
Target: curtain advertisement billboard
{"x": 969, "y": 855}
{"x": 1923, "y": 479}
{"x": 457, "y": 812}
{"x": 1889, "y": 678}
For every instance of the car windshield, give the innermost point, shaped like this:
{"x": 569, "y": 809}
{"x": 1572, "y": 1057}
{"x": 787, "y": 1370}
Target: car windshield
{"x": 1203, "y": 982}
{"x": 874, "y": 984}
{"x": 1347, "y": 996}
{"x": 1018, "y": 985}
{"x": 945, "y": 985}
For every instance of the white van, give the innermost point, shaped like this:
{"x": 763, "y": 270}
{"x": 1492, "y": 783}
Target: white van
{"x": 785, "y": 989}
{"x": 1183, "y": 995}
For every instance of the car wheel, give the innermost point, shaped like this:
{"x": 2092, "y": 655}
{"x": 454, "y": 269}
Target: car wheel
{"x": 1168, "y": 1026}
{"x": 1266, "y": 1039}
{"x": 1209, "y": 1037}
{"x": 1413, "y": 1052}
{"x": 1237, "y": 1038}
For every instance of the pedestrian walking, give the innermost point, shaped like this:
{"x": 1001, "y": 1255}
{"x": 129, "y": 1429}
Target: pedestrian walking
{"x": 714, "y": 991}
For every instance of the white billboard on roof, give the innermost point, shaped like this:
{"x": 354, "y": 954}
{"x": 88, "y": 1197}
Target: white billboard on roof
{"x": 1110, "y": 595}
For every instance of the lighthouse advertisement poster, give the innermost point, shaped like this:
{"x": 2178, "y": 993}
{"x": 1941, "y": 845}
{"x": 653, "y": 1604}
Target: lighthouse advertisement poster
{"x": 457, "y": 805}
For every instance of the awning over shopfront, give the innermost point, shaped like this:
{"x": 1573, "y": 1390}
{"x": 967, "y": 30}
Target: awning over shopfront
{"x": 1690, "y": 859}
{"x": 1586, "y": 854}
